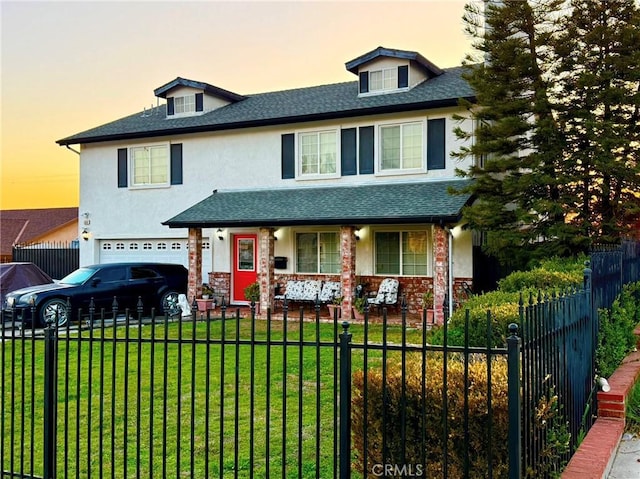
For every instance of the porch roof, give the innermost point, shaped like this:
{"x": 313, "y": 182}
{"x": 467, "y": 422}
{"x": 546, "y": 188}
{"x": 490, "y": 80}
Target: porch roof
{"x": 424, "y": 202}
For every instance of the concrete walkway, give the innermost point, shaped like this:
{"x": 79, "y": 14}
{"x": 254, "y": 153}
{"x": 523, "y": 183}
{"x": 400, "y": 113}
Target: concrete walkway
{"x": 626, "y": 463}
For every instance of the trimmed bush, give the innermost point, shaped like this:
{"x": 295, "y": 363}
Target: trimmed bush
{"x": 432, "y": 405}
{"x": 615, "y": 337}
{"x": 552, "y": 274}
{"x": 504, "y": 310}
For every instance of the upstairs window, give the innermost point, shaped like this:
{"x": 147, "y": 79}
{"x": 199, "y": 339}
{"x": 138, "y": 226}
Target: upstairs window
{"x": 386, "y": 79}
{"x": 318, "y": 153}
{"x": 401, "y": 147}
{"x": 184, "y": 104}
{"x": 150, "y": 165}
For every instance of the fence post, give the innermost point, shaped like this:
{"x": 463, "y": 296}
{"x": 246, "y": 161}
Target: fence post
{"x": 50, "y": 398}
{"x": 515, "y": 400}
{"x": 345, "y": 402}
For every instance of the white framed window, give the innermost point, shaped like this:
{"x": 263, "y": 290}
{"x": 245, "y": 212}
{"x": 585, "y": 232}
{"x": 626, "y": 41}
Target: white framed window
{"x": 401, "y": 146}
{"x": 403, "y": 253}
{"x": 318, "y": 253}
{"x": 383, "y": 80}
{"x": 150, "y": 165}
{"x": 184, "y": 104}
{"x": 318, "y": 153}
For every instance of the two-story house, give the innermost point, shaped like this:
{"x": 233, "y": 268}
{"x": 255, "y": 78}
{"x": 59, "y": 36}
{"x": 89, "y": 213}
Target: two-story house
{"x": 345, "y": 182}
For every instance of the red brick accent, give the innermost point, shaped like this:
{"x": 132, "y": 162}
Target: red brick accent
{"x": 266, "y": 268}
{"x": 593, "y": 458}
{"x": 194, "y": 288}
{"x": 221, "y": 284}
{"x": 348, "y": 272}
{"x": 440, "y": 271}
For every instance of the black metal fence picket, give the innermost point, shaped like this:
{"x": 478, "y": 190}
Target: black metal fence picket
{"x": 123, "y": 395}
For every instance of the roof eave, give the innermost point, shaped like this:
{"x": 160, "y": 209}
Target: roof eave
{"x": 266, "y": 122}
{"x": 432, "y": 219}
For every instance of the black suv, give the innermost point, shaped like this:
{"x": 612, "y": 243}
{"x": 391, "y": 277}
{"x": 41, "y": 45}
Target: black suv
{"x": 157, "y": 285}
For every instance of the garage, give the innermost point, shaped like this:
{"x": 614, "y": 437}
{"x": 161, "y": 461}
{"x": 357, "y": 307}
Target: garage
{"x": 160, "y": 250}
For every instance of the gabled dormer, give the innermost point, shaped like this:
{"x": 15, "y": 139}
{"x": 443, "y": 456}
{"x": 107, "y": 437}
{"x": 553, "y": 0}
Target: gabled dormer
{"x": 189, "y": 98}
{"x": 385, "y": 70}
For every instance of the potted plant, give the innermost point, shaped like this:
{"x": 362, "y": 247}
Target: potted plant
{"x": 359, "y": 305}
{"x": 207, "y": 291}
{"x": 252, "y": 292}
{"x": 427, "y": 305}
{"x": 335, "y": 305}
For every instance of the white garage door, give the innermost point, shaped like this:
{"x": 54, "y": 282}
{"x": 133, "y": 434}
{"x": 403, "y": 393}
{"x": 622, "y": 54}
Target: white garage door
{"x": 155, "y": 250}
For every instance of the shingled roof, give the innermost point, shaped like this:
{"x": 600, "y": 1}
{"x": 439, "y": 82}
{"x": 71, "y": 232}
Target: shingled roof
{"x": 25, "y": 226}
{"x": 333, "y": 101}
{"x": 425, "y": 202}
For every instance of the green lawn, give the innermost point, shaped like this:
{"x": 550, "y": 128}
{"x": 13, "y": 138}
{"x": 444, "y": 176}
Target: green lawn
{"x": 143, "y": 404}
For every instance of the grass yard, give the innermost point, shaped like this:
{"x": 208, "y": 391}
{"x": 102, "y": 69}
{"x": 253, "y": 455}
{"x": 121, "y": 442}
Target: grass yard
{"x": 258, "y": 398}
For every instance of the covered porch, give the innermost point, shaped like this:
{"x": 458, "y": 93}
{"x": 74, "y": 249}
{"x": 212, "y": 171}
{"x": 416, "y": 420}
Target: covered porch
{"x": 348, "y": 212}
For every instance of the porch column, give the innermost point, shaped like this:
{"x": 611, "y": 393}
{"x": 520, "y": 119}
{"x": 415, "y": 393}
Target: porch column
{"x": 440, "y": 272}
{"x": 194, "y": 288}
{"x": 348, "y": 271}
{"x": 266, "y": 268}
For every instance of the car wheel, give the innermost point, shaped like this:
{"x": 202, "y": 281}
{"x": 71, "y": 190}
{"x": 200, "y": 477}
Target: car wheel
{"x": 52, "y": 310}
{"x": 169, "y": 304}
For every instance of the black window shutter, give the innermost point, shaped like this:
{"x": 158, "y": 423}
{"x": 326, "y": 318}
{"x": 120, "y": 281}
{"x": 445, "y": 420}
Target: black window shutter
{"x": 199, "y": 102}
{"x": 348, "y": 145}
{"x": 288, "y": 156}
{"x": 176, "y": 164}
{"x": 122, "y": 167}
{"x": 170, "y": 109}
{"x": 366, "y": 150}
{"x": 403, "y": 76}
{"x": 435, "y": 144}
{"x": 364, "y": 82}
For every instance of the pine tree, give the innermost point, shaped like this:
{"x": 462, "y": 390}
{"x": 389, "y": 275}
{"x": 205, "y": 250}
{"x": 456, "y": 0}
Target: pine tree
{"x": 517, "y": 142}
{"x": 600, "y": 67}
{"x": 556, "y": 124}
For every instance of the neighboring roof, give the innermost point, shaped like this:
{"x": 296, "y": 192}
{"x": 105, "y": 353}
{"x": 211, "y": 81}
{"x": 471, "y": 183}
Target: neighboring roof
{"x": 431, "y": 68}
{"x": 209, "y": 89}
{"x": 425, "y": 202}
{"x": 23, "y": 226}
{"x": 334, "y": 101}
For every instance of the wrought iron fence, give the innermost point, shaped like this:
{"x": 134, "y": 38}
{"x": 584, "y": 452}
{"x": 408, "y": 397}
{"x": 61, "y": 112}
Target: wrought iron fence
{"x": 128, "y": 396}
{"x": 124, "y": 395}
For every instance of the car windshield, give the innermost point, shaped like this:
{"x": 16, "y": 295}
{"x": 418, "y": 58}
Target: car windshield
{"x": 79, "y": 276}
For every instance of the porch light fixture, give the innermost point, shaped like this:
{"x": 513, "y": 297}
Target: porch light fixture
{"x": 85, "y": 234}
{"x": 220, "y": 237}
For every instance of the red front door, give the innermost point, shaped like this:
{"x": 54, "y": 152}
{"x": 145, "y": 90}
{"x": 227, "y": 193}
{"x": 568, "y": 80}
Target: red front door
{"x": 245, "y": 264}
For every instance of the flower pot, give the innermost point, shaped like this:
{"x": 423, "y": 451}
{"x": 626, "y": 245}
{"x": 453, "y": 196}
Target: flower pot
{"x": 334, "y": 307}
{"x": 357, "y": 315}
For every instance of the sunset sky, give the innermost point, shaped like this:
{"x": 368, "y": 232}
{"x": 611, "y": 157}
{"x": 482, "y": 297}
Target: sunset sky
{"x": 70, "y": 66}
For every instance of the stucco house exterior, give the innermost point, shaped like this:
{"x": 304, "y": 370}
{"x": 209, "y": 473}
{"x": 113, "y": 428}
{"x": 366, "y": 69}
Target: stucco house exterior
{"x": 345, "y": 182}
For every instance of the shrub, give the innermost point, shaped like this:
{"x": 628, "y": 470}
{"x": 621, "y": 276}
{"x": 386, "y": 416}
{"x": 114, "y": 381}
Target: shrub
{"x": 615, "y": 336}
{"x": 432, "y": 407}
{"x": 504, "y": 310}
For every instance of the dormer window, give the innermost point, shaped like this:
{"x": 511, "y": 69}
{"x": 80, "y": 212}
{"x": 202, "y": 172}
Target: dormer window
{"x": 384, "y": 80}
{"x": 185, "y": 104}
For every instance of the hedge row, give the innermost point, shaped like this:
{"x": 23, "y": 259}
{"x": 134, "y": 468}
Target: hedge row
{"x": 386, "y": 402}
